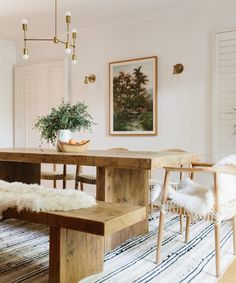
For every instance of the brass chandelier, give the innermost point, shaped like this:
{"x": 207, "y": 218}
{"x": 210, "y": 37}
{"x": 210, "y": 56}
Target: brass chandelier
{"x": 68, "y": 45}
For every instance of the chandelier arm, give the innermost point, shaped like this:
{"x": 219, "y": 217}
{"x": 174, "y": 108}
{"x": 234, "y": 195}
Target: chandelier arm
{"x": 38, "y": 39}
{"x": 25, "y": 39}
{"x": 68, "y": 44}
{"x": 73, "y": 45}
{"x": 63, "y": 42}
{"x": 67, "y": 31}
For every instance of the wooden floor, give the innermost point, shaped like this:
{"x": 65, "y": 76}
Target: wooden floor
{"x": 230, "y": 274}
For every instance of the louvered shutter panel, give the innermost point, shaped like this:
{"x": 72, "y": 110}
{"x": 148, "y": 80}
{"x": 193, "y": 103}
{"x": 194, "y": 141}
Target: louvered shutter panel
{"x": 38, "y": 87}
{"x": 224, "y": 94}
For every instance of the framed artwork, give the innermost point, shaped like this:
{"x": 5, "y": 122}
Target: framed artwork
{"x": 133, "y": 97}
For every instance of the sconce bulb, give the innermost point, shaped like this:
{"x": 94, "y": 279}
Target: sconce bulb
{"x": 25, "y": 56}
{"x": 24, "y": 22}
{"x": 68, "y": 13}
{"x": 68, "y": 51}
{"x": 74, "y": 62}
{"x": 74, "y": 30}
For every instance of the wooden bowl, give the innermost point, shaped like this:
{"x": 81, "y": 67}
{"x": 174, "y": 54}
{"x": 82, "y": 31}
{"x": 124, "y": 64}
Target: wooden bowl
{"x": 77, "y": 147}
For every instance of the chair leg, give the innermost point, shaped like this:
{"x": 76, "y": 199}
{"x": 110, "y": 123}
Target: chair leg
{"x": 217, "y": 249}
{"x": 76, "y": 175}
{"x": 81, "y": 186}
{"x": 54, "y": 184}
{"x": 64, "y": 177}
{"x": 63, "y": 184}
{"x": 181, "y": 224}
{"x": 188, "y": 223}
{"x": 234, "y": 234}
{"x": 76, "y": 185}
{"x": 151, "y": 209}
{"x": 160, "y": 237}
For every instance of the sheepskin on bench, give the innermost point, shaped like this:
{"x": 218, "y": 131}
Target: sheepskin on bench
{"x": 37, "y": 198}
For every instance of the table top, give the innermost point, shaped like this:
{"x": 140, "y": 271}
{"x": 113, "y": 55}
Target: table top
{"x": 101, "y": 158}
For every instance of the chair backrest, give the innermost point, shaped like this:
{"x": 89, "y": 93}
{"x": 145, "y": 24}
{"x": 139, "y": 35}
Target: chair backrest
{"x": 174, "y": 150}
{"x": 177, "y": 150}
{"x": 118, "y": 149}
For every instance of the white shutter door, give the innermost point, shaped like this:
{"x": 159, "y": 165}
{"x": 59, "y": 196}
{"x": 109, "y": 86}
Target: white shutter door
{"x": 20, "y": 108}
{"x": 38, "y": 87}
{"x": 38, "y": 92}
{"x": 224, "y": 94}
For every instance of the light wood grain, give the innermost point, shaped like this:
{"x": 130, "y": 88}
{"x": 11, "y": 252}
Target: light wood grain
{"x": 77, "y": 236}
{"x": 162, "y": 218}
{"x": 124, "y": 186}
{"x": 230, "y": 274}
{"x": 102, "y": 219}
{"x": 214, "y": 171}
{"x": 122, "y": 176}
{"x": 74, "y": 255}
{"x": 102, "y": 158}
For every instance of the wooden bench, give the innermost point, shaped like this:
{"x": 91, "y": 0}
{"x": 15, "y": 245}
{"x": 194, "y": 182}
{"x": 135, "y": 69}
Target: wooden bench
{"x": 77, "y": 236}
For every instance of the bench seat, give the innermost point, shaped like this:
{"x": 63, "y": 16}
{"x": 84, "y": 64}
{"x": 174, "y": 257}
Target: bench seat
{"x": 77, "y": 236}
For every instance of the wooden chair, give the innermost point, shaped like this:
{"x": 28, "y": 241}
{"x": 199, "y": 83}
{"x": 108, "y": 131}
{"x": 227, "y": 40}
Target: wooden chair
{"x": 172, "y": 184}
{"x": 219, "y": 212}
{"x": 89, "y": 178}
{"x": 55, "y": 176}
{"x": 83, "y": 179}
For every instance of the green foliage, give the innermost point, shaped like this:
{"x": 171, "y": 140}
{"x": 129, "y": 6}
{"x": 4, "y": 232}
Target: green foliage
{"x": 147, "y": 121}
{"x": 130, "y": 92}
{"x": 125, "y": 121}
{"x": 133, "y": 104}
{"x": 66, "y": 116}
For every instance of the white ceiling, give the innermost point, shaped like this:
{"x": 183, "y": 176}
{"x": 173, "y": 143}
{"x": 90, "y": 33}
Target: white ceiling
{"x": 85, "y": 13}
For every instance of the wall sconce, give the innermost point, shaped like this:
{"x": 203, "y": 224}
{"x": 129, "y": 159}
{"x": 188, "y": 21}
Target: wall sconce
{"x": 178, "y": 69}
{"x": 90, "y": 79}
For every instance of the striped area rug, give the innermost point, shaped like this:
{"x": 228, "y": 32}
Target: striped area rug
{"x": 24, "y": 255}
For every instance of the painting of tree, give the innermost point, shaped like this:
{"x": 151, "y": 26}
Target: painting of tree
{"x": 133, "y": 96}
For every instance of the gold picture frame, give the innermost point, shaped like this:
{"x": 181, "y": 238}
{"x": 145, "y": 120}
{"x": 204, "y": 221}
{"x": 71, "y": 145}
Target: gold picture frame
{"x": 133, "y": 97}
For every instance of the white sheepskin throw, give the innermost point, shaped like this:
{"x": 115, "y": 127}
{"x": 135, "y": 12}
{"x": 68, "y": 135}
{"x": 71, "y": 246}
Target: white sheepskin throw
{"x": 193, "y": 197}
{"x": 39, "y": 198}
{"x": 227, "y": 183}
{"x": 154, "y": 189}
{"x": 200, "y": 200}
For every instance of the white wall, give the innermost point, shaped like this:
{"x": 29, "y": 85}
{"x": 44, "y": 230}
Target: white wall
{"x": 177, "y": 36}
{"x": 7, "y": 60}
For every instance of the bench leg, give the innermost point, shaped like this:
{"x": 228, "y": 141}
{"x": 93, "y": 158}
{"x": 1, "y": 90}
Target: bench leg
{"x": 74, "y": 255}
{"x": 124, "y": 186}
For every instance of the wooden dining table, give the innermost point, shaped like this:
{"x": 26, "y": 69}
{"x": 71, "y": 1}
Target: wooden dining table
{"x": 122, "y": 176}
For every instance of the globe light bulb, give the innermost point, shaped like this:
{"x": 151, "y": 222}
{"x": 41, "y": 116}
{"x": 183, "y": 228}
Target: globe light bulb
{"x": 25, "y": 56}
{"x": 68, "y": 13}
{"x": 68, "y": 51}
{"x": 24, "y": 22}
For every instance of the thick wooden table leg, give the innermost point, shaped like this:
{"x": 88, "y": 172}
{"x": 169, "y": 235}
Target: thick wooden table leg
{"x": 28, "y": 173}
{"x": 74, "y": 255}
{"x": 124, "y": 186}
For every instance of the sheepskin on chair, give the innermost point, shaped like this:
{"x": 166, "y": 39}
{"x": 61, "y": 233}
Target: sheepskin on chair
{"x": 39, "y": 198}
{"x": 198, "y": 199}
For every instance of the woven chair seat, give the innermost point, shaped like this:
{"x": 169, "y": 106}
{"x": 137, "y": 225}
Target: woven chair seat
{"x": 53, "y": 175}
{"x": 227, "y": 211}
{"x": 87, "y": 179}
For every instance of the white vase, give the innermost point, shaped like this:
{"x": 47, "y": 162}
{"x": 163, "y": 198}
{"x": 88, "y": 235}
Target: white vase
{"x": 64, "y": 135}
